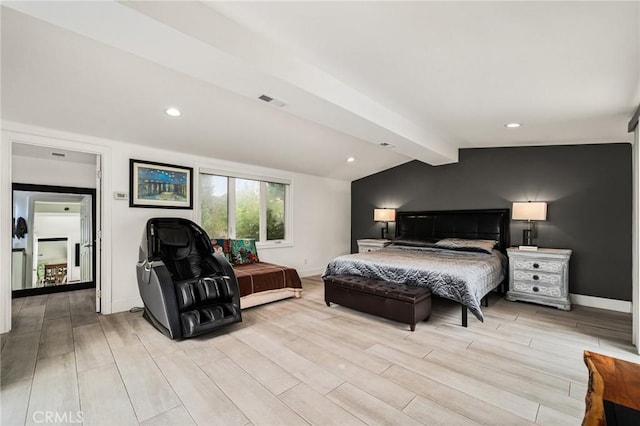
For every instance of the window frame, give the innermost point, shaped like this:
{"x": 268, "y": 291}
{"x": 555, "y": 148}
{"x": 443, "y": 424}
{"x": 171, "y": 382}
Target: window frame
{"x": 231, "y": 176}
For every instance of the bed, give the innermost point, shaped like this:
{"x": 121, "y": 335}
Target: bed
{"x": 431, "y": 250}
{"x": 264, "y": 282}
{"x": 258, "y": 282}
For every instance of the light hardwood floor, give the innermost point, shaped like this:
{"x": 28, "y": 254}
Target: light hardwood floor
{"x": 298, "y": 361}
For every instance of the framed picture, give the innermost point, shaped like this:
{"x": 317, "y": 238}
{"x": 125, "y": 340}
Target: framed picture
{"x": 158, "y": 185}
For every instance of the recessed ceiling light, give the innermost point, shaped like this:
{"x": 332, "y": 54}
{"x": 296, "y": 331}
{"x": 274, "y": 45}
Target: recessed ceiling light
{"x": 350, "y": 160}
{"x": 173, "y": 112}
{"x": 512, "y": 125}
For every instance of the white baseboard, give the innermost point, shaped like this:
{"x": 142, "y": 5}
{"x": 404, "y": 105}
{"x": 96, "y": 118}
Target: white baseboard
{"x": 602, "y": 303}
{"x": 309, "y": 272}
{"x": 122, "y": 305}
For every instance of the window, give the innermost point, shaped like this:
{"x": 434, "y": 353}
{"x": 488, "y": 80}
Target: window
{"x": 237, "y": 207}
{"x": 214, "y": 205}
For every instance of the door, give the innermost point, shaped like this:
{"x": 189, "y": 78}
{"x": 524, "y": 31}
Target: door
{"x": 86, "y": 239}
{"x": 97, "y": 246}
{"x": 35, "y": 279}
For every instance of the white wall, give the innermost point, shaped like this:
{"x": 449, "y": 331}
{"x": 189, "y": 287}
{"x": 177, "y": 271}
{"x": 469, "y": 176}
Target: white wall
{"x": 40, "y": 171}
{"x": 322, "y": 209}
{"x": 321, "y": 227}
{"x": 5, "y": 236}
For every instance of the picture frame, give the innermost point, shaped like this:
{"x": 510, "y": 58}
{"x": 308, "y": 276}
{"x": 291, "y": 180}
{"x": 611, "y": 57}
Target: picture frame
{"x": 160, "y": 185}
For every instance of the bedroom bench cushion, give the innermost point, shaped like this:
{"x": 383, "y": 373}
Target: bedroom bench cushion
{"x": 399, "y": 302}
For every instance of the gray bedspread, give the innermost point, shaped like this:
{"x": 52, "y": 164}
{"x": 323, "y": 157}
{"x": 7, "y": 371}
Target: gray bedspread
{"x": 465, "y": 277}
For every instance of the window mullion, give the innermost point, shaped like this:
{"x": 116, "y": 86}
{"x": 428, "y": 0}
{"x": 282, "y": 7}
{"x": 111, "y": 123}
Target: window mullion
{"x": 263, "y": 211}
{"x": 231, "y": 207}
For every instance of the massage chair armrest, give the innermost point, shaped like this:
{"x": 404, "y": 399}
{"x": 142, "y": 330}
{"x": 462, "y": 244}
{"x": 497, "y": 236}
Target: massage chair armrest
{"x": 226, "y": 269}
{"x": 157, "y": 289}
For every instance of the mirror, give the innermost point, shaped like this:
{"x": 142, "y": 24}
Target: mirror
{"x": 52, "y": 239}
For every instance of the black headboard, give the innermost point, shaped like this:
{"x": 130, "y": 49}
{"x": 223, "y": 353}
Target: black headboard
{"x": 473, "y": 224}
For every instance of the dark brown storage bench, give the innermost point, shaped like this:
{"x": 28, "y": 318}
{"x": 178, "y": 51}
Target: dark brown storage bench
{"x": 398, "y": 302}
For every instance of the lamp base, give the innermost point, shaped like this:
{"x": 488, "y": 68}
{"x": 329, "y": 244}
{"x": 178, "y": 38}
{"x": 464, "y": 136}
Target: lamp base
{"x": 384, "y": 229}
{"x": 526, "y": 237}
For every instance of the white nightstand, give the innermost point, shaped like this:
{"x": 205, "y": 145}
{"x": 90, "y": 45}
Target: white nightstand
{"x": 540, "y": 276}
{"x": 371, "y": 244}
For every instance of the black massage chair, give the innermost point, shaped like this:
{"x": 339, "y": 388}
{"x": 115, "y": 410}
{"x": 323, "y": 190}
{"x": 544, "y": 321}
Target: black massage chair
{"x": 187, "y": 290}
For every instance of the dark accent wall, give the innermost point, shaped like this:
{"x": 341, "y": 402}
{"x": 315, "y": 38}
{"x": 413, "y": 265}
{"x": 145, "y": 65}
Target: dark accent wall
{"x": 587, "y": 188}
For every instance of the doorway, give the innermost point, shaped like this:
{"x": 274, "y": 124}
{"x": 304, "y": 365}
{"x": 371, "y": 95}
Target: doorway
{"x": 53, "y": 240}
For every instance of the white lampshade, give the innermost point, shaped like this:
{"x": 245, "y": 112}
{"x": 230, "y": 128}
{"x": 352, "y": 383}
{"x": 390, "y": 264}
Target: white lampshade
{"x": 529, "y": 211}
{"x": 384, "y": 215}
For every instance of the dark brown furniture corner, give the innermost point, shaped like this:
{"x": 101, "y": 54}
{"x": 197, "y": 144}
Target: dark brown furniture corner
{"x": 397, "y": 302}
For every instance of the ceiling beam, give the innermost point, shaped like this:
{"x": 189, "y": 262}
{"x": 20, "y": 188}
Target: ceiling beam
{"x": 195, "y": 40}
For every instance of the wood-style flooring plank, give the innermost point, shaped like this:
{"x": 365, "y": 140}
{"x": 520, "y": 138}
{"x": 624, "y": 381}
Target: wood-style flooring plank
{"x": 515, "y": 368}
{"x": 200, "y": 349}
{"x": 370, "y": 410}
{"x": 379, "y": 387}
{"x": 29, "y": 319}
{"x": 18, "y": 357}
{"x": 304, "y": 370}
{"x": 428, "y": 412}
{"x": 83, "y": 307}
{"x": 554, "y": 365}
{"x": 156, "y": 343}
{"x": 268, "y": 373}
{"x": 58, "y": 374}
{"x": 104, "y": 384}
{"x": 316, "y": 409}
{"x": 39, "y": 300}
{"x": 550, "y": 417}
{"x": 578, "y": 391}
{"x": 455, "y": 400}
{"x": 57, "y": 337}
{"x": 319, "y": 364}
{"x": 344, "y": 349}
{"x": 57, "y": 306}
{"x": 494, "y": 395}
{"x": 550, "y": 396}
{"x": 148, "y": 390}
{"x": 256, "y": 402}
{"x": 91, "y": 347}
{"x": 174, "y": 417}
{"x": 14, "y": 401}
{"x": 206, "y": 403}
{"x": 118, "y": 330}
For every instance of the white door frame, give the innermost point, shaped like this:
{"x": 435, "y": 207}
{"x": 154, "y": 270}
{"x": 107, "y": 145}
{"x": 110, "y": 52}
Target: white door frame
{"x": 15, "y": 132}
{"x": 635, "y": 278}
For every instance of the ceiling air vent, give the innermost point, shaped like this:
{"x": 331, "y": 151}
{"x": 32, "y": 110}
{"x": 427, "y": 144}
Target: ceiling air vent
{"x": 272, "y": 101}
{"x": 58, "y": 154}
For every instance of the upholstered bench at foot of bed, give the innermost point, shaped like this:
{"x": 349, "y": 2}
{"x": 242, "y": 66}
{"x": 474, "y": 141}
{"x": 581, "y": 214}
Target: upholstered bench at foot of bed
{"x": 398, "y": 302}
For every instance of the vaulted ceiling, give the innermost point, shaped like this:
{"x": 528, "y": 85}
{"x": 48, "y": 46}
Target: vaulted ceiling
{"x": 427, "y": 78}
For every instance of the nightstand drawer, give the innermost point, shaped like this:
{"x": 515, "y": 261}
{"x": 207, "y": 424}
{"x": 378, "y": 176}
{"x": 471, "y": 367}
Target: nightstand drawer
{"x": 534, "y": 288}
{"x": 537, "y": 277}
{"x": 538, "y": 265}
{"x": 371, "y": 244}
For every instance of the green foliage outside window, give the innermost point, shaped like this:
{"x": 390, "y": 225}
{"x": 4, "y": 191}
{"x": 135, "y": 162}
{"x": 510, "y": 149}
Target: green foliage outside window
{"x": 275, "y": 211}
{"x": 247, "y": 209}
{"x": 214, "y": 205}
